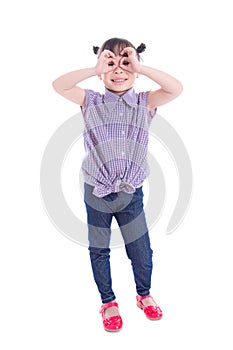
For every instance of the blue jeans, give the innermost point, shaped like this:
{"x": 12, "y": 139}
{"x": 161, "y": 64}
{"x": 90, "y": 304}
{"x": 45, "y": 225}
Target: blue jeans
{"x": 129, "y": 213}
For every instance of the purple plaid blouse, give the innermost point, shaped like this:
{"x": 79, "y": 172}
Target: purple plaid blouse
{"x": 116, "y": 141}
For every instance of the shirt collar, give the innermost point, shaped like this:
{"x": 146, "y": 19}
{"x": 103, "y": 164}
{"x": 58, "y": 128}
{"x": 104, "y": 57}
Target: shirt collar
{"x": 129, "y": 97}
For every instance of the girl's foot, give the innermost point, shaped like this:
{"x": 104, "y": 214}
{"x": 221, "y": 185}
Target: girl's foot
{"x": 112, "y": 320}
{"x": 149, "y": 306}
{"x": 111, "y": 311}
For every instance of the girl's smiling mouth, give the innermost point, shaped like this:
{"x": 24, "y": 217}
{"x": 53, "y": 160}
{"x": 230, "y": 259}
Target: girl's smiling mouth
{"x": 119, "y": 80}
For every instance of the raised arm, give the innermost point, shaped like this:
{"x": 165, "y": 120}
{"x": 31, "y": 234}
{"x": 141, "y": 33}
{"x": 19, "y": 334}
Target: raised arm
{"x": 170, "y": 87}
{"x": 66, "y": 84}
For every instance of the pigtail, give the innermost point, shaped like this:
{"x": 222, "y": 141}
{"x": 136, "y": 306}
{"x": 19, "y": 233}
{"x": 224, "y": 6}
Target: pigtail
{"x": 95, "y": 49}
{"x": 141, "y": 48}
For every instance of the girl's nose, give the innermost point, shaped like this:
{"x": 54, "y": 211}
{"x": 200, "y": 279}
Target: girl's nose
{"x": 118, "y": 69}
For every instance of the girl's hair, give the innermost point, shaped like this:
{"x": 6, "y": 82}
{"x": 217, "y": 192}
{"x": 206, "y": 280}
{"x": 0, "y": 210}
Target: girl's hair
{"x": 116, "y": 45}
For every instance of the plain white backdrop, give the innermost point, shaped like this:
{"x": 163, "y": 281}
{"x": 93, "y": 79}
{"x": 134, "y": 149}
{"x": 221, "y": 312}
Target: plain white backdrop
{"x": 47, "y": 294}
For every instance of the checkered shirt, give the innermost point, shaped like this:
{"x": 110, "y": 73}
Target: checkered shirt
{"x": 116, "y": 141}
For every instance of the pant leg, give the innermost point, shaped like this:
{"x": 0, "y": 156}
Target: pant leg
{"x": 132, "y": 223}
{"x": 100, "y": 262}
{"x": 99, "y": 233}
{"x": 140, "y": 254}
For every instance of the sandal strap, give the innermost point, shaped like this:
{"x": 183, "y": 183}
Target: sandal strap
{"x": 106, "y": 306}
{"x": 140, "y": 297}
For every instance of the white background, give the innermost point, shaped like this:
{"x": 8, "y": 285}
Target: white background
{"x": 48, "y": 297}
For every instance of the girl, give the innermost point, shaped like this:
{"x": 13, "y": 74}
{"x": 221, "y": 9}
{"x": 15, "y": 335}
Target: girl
{"x": 115, "y": 167}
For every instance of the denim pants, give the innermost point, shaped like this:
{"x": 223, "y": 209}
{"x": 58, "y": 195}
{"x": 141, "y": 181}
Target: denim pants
{"x": 129, "y": 214}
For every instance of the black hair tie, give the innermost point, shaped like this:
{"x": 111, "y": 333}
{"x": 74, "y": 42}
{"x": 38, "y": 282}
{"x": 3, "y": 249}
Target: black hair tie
{"x": 95, "y": 49}
{"x": 141, "y": 48}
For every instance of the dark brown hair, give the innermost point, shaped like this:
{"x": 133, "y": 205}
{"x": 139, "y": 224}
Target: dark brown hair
{"x": 116, "y": 45}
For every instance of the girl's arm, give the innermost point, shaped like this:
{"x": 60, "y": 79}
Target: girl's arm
{"x": 170, "y": 87}
{"x": 66, "y": 84}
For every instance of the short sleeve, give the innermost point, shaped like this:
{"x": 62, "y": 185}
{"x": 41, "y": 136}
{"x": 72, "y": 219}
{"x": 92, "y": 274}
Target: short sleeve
{"x": 91, "y": 97}
{"x": 152, "y": 112}
{"x": 143, "y": 101}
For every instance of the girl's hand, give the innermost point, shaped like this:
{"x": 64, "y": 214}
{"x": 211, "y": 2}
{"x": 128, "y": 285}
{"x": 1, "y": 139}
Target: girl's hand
{"x": 129, "y": 60}
{"x": 106, "y": 62}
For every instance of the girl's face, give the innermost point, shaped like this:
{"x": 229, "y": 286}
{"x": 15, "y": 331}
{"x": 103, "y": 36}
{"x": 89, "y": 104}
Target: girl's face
{"x": 119, "y": 80}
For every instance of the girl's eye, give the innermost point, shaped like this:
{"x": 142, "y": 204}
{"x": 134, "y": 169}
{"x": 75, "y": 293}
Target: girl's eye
{"x": 110, "y": 64}
{"x": 125, "y": 63}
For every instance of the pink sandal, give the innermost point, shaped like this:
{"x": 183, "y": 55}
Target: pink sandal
{"x": 113, "y": 323}
{"x": 151, "y": 312}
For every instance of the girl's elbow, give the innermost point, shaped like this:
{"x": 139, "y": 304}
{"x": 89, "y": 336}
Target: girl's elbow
{"x": 55, "y": 85}
{"x": 179, "y": 88}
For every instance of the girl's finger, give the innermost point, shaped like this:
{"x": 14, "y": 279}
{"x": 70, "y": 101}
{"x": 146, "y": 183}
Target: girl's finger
{"x": 112, "y": 63}
{"x": 108, "y": 54}
{"x": 124, "y": 62}
{"x": 127, "y": 51}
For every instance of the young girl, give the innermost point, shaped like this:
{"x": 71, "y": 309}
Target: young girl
{"x": 115, "y": 167}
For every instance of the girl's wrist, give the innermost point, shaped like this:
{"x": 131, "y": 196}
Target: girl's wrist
{"x": 140, "y": 69}
{"x": 95, "y": 70}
